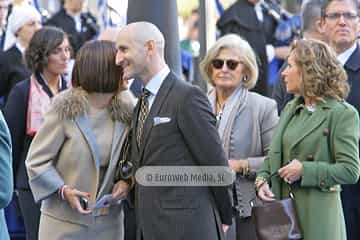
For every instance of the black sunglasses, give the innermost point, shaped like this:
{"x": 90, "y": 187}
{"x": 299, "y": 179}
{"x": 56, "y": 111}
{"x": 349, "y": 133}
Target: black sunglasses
{"x": 230, "y": 64}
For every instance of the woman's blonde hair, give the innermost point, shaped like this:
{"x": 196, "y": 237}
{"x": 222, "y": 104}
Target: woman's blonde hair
{"x": 248, "y": 59}
{"x": 321, "y": 73}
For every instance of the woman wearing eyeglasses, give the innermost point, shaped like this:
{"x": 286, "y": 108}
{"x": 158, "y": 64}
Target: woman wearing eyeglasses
{"x": 245, "y": 120}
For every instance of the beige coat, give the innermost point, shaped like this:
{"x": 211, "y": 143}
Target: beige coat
{"x": 65, "y": 152}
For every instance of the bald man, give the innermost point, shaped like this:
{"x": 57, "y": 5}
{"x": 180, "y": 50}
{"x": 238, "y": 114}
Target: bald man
{"x": 173, "y": 126}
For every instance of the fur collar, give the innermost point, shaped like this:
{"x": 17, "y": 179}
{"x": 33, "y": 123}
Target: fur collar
{"x": 73, "y": 103}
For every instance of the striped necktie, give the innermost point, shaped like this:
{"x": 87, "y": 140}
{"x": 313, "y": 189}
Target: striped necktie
{"x": 143, "y": 112}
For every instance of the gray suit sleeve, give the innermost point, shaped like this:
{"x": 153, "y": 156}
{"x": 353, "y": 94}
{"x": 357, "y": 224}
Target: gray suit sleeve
{"x": 198, "y": 126}
{"x": 44, "y": 179}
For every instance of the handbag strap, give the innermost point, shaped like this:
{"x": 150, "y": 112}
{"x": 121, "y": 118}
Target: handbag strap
{"x": 276, "y": 174}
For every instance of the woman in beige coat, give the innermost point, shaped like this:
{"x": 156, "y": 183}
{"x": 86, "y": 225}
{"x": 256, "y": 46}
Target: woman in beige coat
{"x": 75, "y": 153}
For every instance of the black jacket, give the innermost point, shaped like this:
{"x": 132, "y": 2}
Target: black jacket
{"x": 64, "y": 21}
{"x": 241, "y": 19}
{"x": 12, "y": 70}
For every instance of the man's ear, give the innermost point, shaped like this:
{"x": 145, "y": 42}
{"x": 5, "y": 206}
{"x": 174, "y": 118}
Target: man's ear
{"x": 150, "y": 46}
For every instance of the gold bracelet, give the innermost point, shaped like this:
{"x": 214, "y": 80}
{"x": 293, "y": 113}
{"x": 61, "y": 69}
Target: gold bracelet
{"x": 259, "y": 182}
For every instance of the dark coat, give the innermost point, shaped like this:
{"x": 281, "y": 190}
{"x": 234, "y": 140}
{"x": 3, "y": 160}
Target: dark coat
{"x": 241, "y": 19}
{"x": 279, "y": 93}
{"x": 12, "y": 70}
{"x": 88, "y": 31}
{"x": 351, "y": 193}
{"x": 189, "y": 139}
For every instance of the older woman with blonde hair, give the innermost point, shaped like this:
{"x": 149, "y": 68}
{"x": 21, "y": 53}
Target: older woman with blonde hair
{"x": 315, "y": 147}
{"x": 246, "y": 120}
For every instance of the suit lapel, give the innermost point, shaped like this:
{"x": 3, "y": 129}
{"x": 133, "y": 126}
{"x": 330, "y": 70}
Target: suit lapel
{"x": 84, "y": 126}
{"x": 353, "y": 63}
{"x": 155, "y": 109}
{"x": 119, "y": 136}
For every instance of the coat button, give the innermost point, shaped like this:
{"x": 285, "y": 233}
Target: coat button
{"x": 310, "y": 157}
{"x": 326, "y": 132}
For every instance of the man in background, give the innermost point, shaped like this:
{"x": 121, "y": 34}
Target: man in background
{"x": 310, "y": 24}
{"x": 80, "y": 26}
{"x": 340, "y": 25}
{"x": 4, "y": 9}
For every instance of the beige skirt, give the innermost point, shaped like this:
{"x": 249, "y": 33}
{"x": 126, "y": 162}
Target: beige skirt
{"x": 54, "y": 229}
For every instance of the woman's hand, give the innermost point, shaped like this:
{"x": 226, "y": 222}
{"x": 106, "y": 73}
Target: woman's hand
{"x": 239, "y": 166}
{"x": 72, "y": 196}
{"x": 265, "y": 194}
{"x": 291, "y": 172}
{"x": 120, "y": 191}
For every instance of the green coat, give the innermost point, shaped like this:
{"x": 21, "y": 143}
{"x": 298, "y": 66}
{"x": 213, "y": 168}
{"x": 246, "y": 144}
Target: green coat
{"x": 328, "y": 150}
{"x": 6, "y": 176}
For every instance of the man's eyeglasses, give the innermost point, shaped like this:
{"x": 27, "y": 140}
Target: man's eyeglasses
{"x": 336, "y": 16}
{"x": 219, "y": 63}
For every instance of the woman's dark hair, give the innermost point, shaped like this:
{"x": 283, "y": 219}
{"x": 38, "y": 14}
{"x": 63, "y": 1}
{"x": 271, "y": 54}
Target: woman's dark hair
{"x": 41, "y": 46}
{"x": 95, "y": 69}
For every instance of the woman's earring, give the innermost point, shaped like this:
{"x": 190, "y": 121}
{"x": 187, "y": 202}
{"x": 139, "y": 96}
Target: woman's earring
{"x": 245, "y": 78}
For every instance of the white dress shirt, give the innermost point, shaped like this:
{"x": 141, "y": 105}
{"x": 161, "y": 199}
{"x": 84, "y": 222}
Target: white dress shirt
{"x": 154, "y": 84}
{"x": 344, "y": 56}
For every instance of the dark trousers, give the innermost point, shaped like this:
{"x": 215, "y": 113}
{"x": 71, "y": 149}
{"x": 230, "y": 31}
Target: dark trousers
{"x": 129, "y": 222}
{"x": 350, "y": 201}
{"x": 245, "y": 228}
{"x": 30, "y": 212}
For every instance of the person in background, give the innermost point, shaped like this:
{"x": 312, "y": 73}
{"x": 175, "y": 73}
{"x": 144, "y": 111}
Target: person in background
{"x": 191, "y": 42}
{"x": 23, "y": 22}
{"x": 315, "y": 146}
{"x": 6, "y": 175}
{"x": 249, "y": 20}
{"x": 47, "y": 57}
{"x": 340, "y": 25}
{"x": 4, "y": 10}
{"x": 230, "y": 67}
{"x": 74, "y": 155}
{"x": 310, "y": 24}
{"x": 80, "y": 26}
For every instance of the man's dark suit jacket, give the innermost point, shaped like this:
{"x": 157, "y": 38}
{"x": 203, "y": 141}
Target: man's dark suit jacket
{"x": 89, "y": 27}
{"x": 279, "y": 93}
{"x": 12, "y": 70}
{"x": 241, "y": 19}
{"x": 189, "y": 139}
{"x": 351, "y": 193}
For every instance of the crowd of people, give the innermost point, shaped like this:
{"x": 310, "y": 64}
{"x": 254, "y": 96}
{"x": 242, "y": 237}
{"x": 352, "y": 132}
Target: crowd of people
{"x": 73, "y": 136}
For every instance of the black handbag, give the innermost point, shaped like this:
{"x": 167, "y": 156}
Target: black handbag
{"x": 277, "y": 220}
{"x": 125, "y": 168}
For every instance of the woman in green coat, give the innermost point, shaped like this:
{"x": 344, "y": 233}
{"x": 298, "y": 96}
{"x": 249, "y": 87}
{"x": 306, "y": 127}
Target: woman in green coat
{"x": 315, "y": 146}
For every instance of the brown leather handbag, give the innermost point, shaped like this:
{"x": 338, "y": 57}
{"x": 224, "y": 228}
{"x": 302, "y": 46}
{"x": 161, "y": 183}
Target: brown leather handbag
{"x": 277, "y": 220}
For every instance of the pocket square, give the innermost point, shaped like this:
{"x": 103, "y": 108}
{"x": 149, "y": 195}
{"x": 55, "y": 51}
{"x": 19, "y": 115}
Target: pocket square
{"x": 161, "y": 120}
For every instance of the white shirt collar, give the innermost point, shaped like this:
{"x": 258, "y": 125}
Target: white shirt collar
{"x": 259, "y": 12}
{"x": 77, "y": 20}
{"x": 155, "y": 82}
{"x": 21, "y": 48}
{"x": 344, "y": 56}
